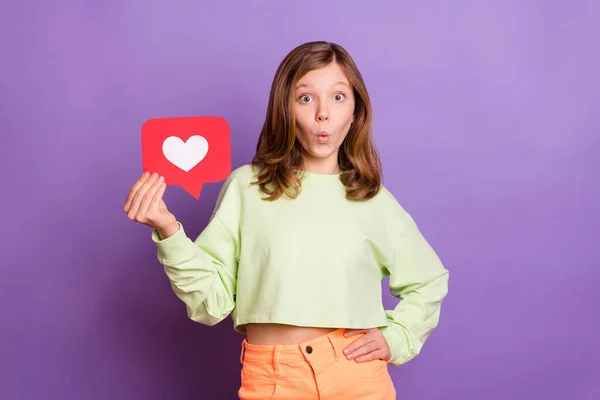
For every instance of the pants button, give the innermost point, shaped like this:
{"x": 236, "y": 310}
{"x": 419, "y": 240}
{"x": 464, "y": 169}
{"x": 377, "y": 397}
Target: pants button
{"x": 308, "y": 349}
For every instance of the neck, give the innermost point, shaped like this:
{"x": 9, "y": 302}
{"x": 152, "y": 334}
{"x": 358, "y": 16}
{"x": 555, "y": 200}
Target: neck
{"x": 327, "y": 166}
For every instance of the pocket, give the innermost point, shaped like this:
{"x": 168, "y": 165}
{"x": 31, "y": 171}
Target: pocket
{"x": 256, "y": 387}
{"x": 353, "y": 372}
{"x": 370, "y": 369}
{"x": 362, "y": 380}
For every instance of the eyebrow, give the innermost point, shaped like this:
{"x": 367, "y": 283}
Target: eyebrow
{"x": 337, "y": 83}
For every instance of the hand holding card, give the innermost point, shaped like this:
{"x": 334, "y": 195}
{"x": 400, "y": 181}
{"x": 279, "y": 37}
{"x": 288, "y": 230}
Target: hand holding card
{"x": 185, "y": 151}
{"x": 144, "y": 204}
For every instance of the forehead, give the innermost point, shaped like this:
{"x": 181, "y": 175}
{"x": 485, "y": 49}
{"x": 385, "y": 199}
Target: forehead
{"x": 324, "y": 77}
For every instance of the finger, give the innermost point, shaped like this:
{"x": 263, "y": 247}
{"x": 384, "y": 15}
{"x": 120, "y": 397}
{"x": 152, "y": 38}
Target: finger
{"x": 149, "y": 196}
{"x": 353, "y": 332}
{"x": 134, "y": 189}
{"x": 378, "y": 354}
{"x": 157, "y": 200}
{"x": 353, "y": 348}
{"x": 139, "y": 195}
{"x": 162, "y": 202}
{"x": 362, "y": 350}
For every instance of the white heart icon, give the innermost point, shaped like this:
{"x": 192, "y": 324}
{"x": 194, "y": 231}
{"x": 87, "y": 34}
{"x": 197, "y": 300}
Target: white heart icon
{"x": 185, "y": 155}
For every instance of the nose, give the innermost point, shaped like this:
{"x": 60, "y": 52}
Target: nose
{"x": 322, "y": 113}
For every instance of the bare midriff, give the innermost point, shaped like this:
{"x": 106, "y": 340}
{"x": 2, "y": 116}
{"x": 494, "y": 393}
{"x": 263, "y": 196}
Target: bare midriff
{"x": 271, "y": 334}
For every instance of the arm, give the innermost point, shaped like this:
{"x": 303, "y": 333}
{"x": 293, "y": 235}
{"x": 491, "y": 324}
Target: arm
{"x": 419, "y": 278}
{"x": 203, "y": 273}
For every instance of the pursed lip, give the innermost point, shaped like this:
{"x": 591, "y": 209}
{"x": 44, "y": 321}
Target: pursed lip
{"x": 323, "y": 133}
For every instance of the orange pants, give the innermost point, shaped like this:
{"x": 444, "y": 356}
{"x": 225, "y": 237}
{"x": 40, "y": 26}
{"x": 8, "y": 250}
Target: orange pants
{"x": 316, "y": 370}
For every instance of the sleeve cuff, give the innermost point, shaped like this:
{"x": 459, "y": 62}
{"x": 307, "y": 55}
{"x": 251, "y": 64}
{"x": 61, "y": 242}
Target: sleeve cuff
{"x": 396, "y": 340}
{"x": 175, "y": 249}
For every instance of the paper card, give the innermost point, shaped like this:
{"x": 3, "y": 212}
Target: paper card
{"x": 187, "y": 151}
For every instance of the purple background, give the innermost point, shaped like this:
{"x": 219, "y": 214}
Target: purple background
{"x": 486, "y": 117}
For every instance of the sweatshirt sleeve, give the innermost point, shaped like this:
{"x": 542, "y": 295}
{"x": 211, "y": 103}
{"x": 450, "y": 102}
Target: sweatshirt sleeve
{"x": 419, "y": 278}
{"x": 203, "y": 272}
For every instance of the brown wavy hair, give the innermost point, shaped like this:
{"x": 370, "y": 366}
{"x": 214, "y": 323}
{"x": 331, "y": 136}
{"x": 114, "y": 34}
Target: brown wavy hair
{"x": 278, "y": 155}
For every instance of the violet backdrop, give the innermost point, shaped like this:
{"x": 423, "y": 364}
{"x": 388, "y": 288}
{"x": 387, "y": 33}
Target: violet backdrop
{"x": 486, "y": 118}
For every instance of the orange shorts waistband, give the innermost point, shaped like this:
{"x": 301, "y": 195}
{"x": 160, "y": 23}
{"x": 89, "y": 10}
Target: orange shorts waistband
{"x": 331, "y": 342}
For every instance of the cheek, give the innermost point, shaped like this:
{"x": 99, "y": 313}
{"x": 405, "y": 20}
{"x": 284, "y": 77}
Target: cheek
{"x": 302, "y": 124}
{"x": 345, "y": 113}
{"x": 346, "y": 118}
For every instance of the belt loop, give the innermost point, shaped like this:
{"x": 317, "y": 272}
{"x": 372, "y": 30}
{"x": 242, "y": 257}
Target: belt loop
{"x": 243, "y": 351}
{"x": 276, "y": 349}
{"x": 333, "y": 346}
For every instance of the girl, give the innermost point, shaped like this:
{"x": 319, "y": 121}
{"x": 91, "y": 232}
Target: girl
{"x": 299, "y": 242}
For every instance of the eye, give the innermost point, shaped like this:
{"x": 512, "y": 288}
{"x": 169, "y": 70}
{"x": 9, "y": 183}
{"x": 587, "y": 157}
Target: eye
{"x": 339, "y": 96}
{"x": 304, "y": 98}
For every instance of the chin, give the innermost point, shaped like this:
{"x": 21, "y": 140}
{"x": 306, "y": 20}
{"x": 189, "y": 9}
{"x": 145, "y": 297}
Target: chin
{"x": 322, "y": 153}
{"x": 317, "y": 150}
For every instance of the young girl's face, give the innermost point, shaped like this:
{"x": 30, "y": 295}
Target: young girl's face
{"x": 324, "y": 108}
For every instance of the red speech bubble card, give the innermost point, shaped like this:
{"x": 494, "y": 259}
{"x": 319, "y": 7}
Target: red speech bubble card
{"x": 187, "y": 151}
